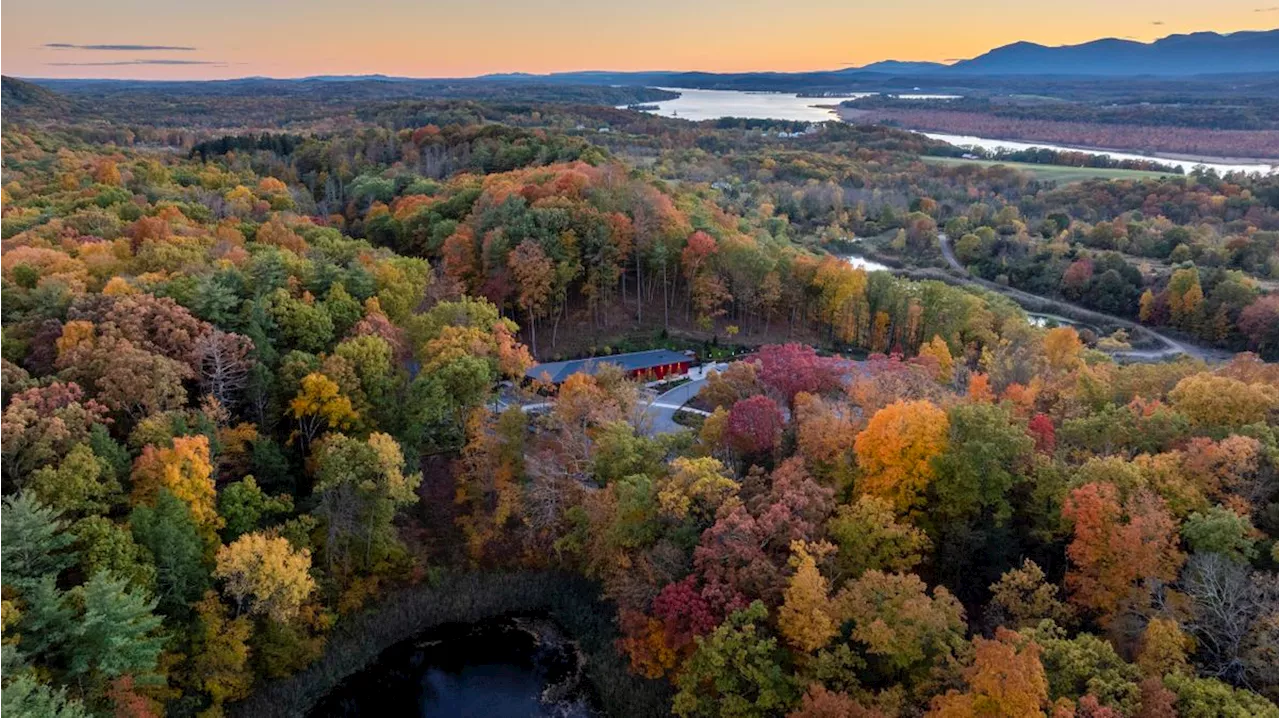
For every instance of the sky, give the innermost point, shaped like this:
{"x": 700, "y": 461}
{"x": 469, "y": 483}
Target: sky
{"x": 182, "y": 39}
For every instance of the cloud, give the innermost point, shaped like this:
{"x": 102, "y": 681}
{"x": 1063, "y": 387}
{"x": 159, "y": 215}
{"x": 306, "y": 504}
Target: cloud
{"x": 125, "y": 48}
{"x": 122, "y": 63}
{"x": 1266, "y": 9}
{"x": 1157, "y": 22}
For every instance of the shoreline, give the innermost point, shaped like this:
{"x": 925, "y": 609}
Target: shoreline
{"x": 852, "y": 116}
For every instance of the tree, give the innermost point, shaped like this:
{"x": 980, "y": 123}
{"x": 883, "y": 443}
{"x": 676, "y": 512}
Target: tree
{"x": 1062, "y": 348}
{"x": 1232, "y": 619}
{"x": 103, "y": 545}
{"x": 220, "y": 652}
{"x": 1006, "y": 679}
{"x": 245, "y": 507}
{"x": 42, "y": 424}
{"x": 818, "y": 702}
{"x": 1221, "y": 531}
{"x": 805, "y": 616}
{"x": 1085, "y": 665}
{"x": 222, "y": 361}
{"x": 1024, "y": 598}
{"x": 937, "y": 349}
{"x": 24, "y": 696}
{"x": 80, "y": 484}
{"x": 184, "y": 471}
{"x": 264, "y": 575}
{"x": 533, "y": 272}
{"x": 1163, "y": 648}
{"x": 736, "y": 671}
{"x": 117, "y": 634}
{"x": 33, "y": 539}
{"x": 1042, "y": 432}
{"x": 1211, "y": 401}
{"x": 755, "y": 426}
{"x": 360, "y": 485}
{"x": 898, "y": 622}
{"x": 984, "y": 455}
{"x": 788, "y": 369}
{"x": 1117, "y": 547}
{"x": 177, "y": 547}
{"x": 869, "y": 537}
{"x": 695, "y": 487}
{"x": 319, "y": 405}
{"x": 896, "y": 451}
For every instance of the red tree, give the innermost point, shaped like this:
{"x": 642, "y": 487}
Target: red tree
{"x": 789, "y": 369}
{"x": 755, "y": 425}
{"x": 1041, "y": 429}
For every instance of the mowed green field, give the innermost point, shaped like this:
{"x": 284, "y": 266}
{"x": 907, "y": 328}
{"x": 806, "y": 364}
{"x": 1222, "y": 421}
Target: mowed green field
{"x": 1056, "y": 173}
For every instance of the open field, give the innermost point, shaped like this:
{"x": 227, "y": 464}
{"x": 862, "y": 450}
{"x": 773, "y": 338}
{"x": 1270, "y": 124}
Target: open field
{"x": 1056, "y": 173}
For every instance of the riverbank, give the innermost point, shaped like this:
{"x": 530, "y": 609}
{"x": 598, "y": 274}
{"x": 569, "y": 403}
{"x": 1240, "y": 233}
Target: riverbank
{"x": 1177, "y": 145}
{"x": 570, "y": 600}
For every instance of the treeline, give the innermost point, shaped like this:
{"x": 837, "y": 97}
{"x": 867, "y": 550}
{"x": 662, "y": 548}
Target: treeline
{"x": 1199, "y": 141}
{"x": 279, "y": 144}
{"x": 1043, "y": 156}
{"x": 1169, "y": 110}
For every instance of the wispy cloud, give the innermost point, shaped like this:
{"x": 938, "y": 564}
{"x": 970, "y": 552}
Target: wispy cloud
{"x": 1157, "y": 22}
{"x": 1266, "y": 9}
{"x": 122, "y": 63}
{"x": 124, "y": 48}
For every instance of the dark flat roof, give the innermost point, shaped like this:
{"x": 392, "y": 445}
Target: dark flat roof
{"x": 558, "y": 371}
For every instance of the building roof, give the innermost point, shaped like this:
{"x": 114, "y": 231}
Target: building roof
{"x": 558, "y": 371}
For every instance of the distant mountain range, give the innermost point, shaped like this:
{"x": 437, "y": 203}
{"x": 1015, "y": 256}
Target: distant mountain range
{"x": 1200, "y": 53}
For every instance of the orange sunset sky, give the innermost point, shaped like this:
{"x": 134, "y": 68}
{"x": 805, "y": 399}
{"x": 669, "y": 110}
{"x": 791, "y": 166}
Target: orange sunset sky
{"x": 292, "y": 38}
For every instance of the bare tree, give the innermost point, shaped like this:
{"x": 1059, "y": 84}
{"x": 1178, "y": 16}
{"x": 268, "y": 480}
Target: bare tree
{"x": 223, "y": 361}
{"x": 1233, "y": 619}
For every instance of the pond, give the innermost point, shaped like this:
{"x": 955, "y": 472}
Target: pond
{"x": 510, "y": 666}
{"x": 864, "y": 263}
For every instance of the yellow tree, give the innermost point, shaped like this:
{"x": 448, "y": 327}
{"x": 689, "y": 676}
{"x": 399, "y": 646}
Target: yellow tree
{"x": 1211, "y": 401}
{"x": 805, "y": 617}
{"x": 698, "y": 486}
{"x": 937, "y": 348}
{"x": 186, "y": 471}
{"x": 896, "y": 452}
{"x": 319, "y": 405}
{"x": 1146, "y": 306}
{"x": 1163, "y": 649}
{"x": 264, "y": 575}
{"x": 220, "y": 653}
{"x": 1062, "y": 348}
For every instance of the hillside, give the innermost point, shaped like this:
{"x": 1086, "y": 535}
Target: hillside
{"x": 20, "y": 95}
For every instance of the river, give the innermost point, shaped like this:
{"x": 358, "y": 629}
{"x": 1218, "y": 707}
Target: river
{"x": 700, "y": 105}
{"x": 713, "y": 104}
{"x": 1186, "y": 165}
{"x": 513, "y": 666}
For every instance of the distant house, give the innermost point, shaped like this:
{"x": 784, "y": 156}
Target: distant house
{"x": 655, "y": 363}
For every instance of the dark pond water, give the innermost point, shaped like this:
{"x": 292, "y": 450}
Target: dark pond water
{"x": 511, "y": 666}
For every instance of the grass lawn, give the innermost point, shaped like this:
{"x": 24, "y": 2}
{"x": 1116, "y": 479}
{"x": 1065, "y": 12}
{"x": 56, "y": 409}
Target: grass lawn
{"x": 1056, "y": 173}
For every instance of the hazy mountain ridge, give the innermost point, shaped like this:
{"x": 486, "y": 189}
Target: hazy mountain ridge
{"x": 1198, "y": 53}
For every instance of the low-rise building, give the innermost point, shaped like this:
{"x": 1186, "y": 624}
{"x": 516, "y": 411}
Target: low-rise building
{"x": 654, "y": 364}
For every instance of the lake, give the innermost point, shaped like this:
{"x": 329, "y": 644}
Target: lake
{"x": 700, "y": 105}
{"x": 522, "y": 666}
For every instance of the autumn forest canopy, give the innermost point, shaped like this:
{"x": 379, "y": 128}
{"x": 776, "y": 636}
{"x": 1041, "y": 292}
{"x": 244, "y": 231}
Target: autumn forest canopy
{"x": 264, "y": 361}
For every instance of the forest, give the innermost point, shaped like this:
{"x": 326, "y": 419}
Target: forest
{"x": 252, "y": 367}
